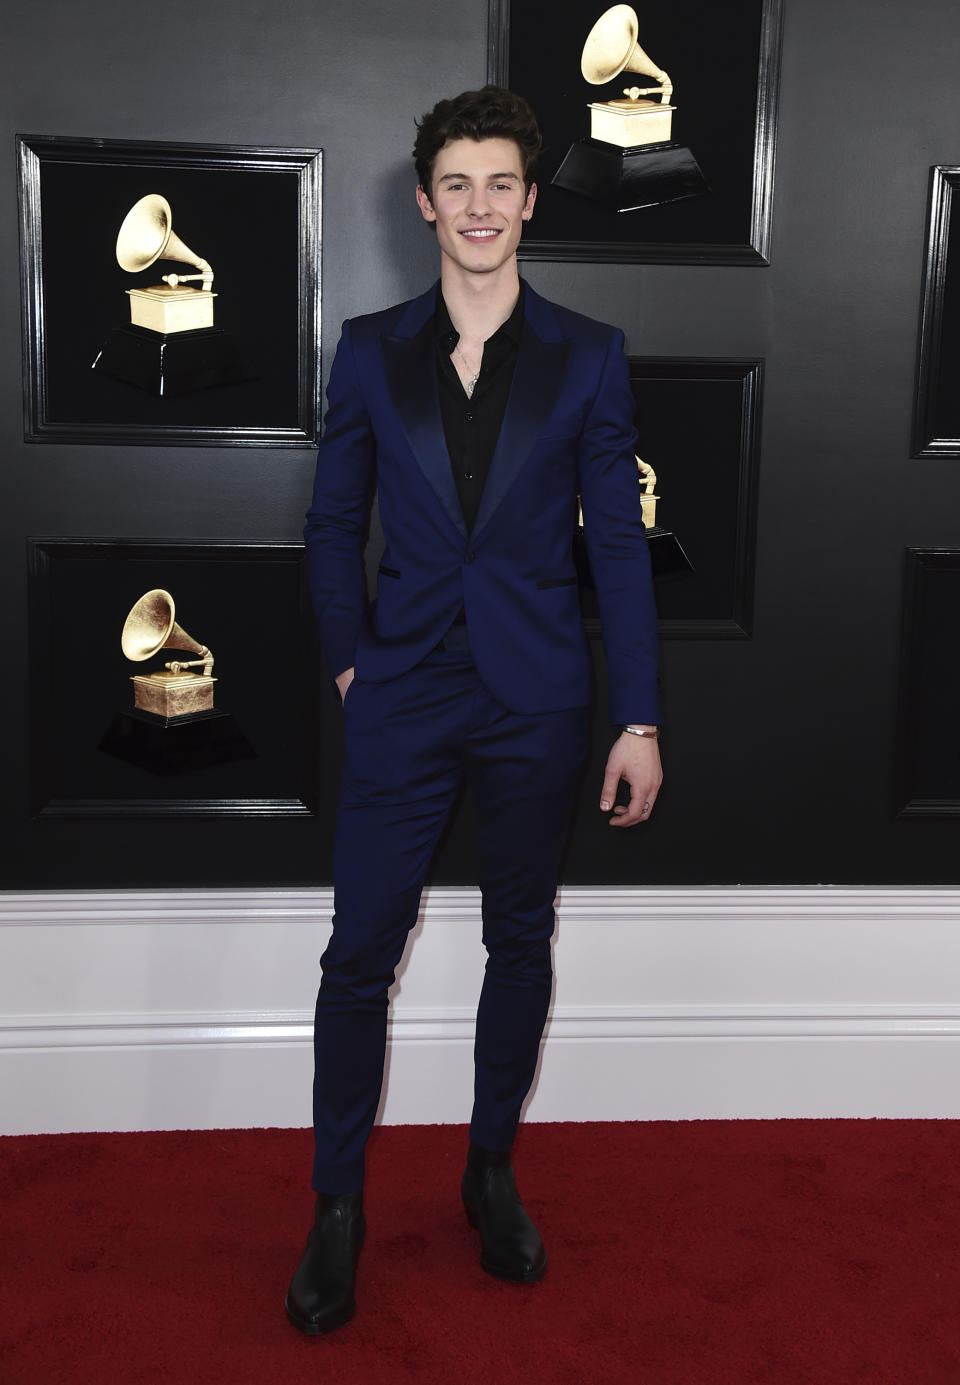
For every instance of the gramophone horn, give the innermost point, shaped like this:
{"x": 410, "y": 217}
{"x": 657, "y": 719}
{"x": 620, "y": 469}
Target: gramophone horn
{"x": 147, "y": 234}
{"x": 612, "y": 48}
{"x": 151, "y": 625}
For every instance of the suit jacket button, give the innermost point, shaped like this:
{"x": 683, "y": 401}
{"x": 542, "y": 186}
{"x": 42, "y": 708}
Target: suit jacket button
{"x": 469, "y": 557}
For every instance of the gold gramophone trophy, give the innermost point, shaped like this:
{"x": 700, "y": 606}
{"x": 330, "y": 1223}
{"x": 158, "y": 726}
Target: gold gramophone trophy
{"x": 171, "y": 345}
{"x": 175, "y": 690}
{"x": 173, "y": 725}
{"x": 630, "y": 160}
{"x": 667, "y": 556}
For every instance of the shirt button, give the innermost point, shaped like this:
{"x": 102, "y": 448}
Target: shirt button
{"x": 468, "y": 417}
{"x": 468, "y": 475}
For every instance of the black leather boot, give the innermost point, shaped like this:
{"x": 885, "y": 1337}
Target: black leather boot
{"x": 511, "y": 1247}
{"x": 320, "y": 1296}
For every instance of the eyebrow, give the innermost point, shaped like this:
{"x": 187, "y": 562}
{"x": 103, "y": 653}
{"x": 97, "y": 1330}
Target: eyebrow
{"x": 466, "y": 176}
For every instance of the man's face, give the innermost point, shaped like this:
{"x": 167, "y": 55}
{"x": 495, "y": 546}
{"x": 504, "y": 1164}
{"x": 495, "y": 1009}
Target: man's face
{"x": 478, "y": 202}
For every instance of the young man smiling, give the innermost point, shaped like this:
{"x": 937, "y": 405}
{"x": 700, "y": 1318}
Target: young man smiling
{"x": 479, "y": 413}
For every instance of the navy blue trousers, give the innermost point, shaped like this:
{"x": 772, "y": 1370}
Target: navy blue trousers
{"x": 409, "y": 744}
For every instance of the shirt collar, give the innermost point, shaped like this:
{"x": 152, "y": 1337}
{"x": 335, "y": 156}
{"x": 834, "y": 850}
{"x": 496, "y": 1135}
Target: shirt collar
{"x": 448, "y": 336}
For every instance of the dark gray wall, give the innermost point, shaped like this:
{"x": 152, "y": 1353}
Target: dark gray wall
{"x": 780, "y": 749}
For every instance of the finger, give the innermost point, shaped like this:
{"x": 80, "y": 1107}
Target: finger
{"x": 608, "y": 793}
{"x": 642, "y": 800}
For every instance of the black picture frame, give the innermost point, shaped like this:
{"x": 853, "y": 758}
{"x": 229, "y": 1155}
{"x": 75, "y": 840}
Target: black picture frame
{"x": 724, "y": 61}
{"x": 247, "y": 600}
{"x": 928, "y": 729}
{"x": 936, "y": 417}
{"x": 698, "y": 425}
{"x": 252, "y": 211}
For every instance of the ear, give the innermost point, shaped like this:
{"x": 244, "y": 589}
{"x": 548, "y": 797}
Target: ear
{"x": 425, "y": 205}
{"x": 527, "y": 212}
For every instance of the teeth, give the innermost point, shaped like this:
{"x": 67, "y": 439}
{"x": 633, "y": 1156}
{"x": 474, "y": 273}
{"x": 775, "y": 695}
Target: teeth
{"x": 480, "y": 235}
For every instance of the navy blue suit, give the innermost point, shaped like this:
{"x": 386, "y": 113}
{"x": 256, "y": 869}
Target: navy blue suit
{"x": 508, "y": 708}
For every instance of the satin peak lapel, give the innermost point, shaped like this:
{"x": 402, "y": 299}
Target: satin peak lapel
{"x": 411, "y": 369}
{"x": 537, "y": 377}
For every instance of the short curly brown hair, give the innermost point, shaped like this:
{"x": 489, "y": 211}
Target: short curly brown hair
{"x": 490, "y": 113}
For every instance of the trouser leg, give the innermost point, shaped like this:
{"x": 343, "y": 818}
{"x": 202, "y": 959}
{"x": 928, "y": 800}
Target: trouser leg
{"x": 525, "y": 773}
{"x": 400, "y": 779}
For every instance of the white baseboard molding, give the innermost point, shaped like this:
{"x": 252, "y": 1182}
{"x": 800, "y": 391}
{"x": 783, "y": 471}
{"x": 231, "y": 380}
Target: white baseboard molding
{"x": 193, "y": 1009}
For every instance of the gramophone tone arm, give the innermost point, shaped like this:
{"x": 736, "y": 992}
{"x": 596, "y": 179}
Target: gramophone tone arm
{"x": 665, "y": 91}
{"x": 206, "y": 658}
{"x": 207, "y": 276}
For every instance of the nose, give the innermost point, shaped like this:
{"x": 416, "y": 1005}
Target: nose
{"x": 479, "y": 204}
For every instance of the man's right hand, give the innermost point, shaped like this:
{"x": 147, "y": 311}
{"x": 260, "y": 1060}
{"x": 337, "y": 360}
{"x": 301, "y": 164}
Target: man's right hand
{"x": 343, "y": 681}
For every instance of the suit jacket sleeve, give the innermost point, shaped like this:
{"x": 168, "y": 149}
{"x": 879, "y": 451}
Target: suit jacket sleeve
{"x": 617, "y": 545}
{"x": 339, "y": 516}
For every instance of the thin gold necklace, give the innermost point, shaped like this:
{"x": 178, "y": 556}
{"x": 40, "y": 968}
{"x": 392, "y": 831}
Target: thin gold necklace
{"x": 471, "y": 384}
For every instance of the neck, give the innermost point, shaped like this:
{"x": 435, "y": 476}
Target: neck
{"x": 479, "y": 303}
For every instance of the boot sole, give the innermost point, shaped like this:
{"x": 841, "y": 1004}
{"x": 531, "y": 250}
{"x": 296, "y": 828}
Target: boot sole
{"x": 524, "y": 1277}
{"x": 329, "y": 1324}
{"x": 498, "y": 1272}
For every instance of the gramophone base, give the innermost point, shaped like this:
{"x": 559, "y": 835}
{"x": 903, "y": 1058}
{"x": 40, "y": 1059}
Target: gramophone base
{"x": 628, "y": 179}
{"x": 667, "y": 558}
{"x": 173, "y": 695}
{"x": 173, "y": 363}
{"x": 171, "y": 745}
{"x": 168, "y": 310}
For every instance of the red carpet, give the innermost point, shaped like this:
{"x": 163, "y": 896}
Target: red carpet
{"x": 701, "y": 1253}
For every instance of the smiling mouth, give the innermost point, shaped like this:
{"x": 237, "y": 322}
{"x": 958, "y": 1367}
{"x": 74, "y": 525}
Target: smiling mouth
{"x": 489, "y": 233}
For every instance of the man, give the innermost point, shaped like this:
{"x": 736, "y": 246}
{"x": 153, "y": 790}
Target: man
{"x": 479, "y": 412}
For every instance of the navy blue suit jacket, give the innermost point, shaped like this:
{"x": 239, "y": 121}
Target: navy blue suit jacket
{"x": 567, "y": 431}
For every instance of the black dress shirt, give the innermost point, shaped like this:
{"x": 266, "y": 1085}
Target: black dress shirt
{"x": 471, "y": 423}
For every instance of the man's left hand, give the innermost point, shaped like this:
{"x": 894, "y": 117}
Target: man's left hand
{"x": 637, "y": 760}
